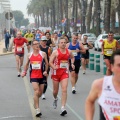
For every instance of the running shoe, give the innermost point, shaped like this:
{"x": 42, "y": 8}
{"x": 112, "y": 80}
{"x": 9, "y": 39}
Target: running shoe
{"x": 18, "y": 74}
{"x": 84, "y": 72}
{"x": 38, "y": 113}
{"x": 43, "y": 97}
{"x": 55, "y": 103}
{"x": 73, "y": 90}
{"x": 63, "y": 112}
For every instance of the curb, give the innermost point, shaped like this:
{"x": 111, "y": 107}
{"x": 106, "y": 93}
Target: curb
{"x": 6, "y": 53}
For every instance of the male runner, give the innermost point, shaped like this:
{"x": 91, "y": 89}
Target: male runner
{"x": 19, "y": 50}
{"x": 107, "y": 91}
{"x": 108, "y": 46}
{"x": 29, "y": 36}
{"x": 76, "y": 48}
{"x": 47, "y": 50}
{"x": 36, "y": 60}
{"x": 85, "y": 57}
{"x": 59, "y": 62}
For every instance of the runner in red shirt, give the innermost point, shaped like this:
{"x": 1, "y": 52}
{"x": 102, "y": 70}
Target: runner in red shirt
{"x": 38, "y": 70}
{"x": 19, "y": 44}
{"x": 59, "y": 62}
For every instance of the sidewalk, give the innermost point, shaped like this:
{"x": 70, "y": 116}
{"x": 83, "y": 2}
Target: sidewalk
{"x": 2, "y": 45}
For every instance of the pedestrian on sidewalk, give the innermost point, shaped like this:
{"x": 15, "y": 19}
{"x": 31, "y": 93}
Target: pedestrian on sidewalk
{"x": 7, "y": 38}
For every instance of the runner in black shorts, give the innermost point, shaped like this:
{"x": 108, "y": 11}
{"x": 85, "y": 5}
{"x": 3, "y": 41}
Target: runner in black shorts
{"x": 47, "y": 50}
{"x": 38, "y": 71}
{"x": 76, "y": 48}
{"x": 85, "y": 57}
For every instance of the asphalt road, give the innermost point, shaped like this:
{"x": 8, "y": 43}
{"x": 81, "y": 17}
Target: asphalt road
{"x": 16, "y": 95}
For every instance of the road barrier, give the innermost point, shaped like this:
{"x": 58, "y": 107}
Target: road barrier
{"x": 97, "y": 60}
{"x": 91, "y": 61}
{"x": 104, "y": 68}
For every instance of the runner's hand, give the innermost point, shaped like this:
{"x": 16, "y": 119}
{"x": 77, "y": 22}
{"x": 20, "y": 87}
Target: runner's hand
{"x": 45, "y": 73}
{"x": 23, "y": 74}
{"x": 102, "y": 53}
{"x": 77, "y": 50}
{"x": 114, "y": 49}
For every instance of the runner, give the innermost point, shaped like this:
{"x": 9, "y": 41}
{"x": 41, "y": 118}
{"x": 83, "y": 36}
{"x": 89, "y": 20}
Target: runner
{"x": 107, "y": 91}
{"x": 38, "y": 36}
{"x": 49, "y": 40}
{"x": 108, "y": 46}
{"x": 85, "y": 57}
{"x": 55, "y": 41}
{"x": 79, "y": 38}
{"x": 19, "y": 50}
{"x": 59, "y": 64}
{"x": 47, "y": 50}
{"x": 36, "y": 60}
{"x": 76, "y": 48}
{"x": 29, "y": 36}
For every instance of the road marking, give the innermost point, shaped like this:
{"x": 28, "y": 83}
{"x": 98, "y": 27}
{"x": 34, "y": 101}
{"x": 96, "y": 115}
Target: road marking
{"x": 8, "y": 117}
{"x": 30, "y": 98}
{"x": 73, "y": 111}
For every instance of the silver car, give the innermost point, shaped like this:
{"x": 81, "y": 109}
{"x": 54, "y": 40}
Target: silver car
{"x": 91, "y": 37}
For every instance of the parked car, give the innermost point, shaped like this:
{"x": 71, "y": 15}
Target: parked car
{"x": 98, "y": 42}
{"x": 101, "y": 38}
{"x": 91, "y": 37}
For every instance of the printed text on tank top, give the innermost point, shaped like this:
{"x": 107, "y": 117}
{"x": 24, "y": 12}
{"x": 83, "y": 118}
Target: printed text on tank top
{"x": 61, "y": 61}
{"x": 110, "y": 100}
{"x": 35, "y": 65}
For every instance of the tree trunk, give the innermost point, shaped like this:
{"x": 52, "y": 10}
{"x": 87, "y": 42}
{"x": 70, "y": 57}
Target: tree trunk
{"x": 97, "y": 16}
{"x": 107, "y": 15}
{"x": 73, "y": 14}
{"x": 47, "y": 15}
{"x": 66, "y": 16}
{"x": 61, "y": 13}
{"x": 89, "y": 16}
{"x": 113, "y": 20}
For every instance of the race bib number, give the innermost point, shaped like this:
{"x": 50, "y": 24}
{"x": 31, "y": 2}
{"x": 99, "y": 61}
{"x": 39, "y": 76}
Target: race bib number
{"x": 19, "y": 49}
{"x": 36, "y": 65}
{"x": 74, "y": 53}
{"x": 85, "y": 46}
{"x": 110, "y": 51}
{"x": 64, "y": 64}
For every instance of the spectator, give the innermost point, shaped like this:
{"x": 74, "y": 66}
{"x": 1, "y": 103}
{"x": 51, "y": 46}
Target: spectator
{"x": 7, "y": 37}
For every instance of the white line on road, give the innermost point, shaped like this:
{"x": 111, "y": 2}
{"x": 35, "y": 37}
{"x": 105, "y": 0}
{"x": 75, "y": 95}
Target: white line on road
{"x": 30, "y": 98}
{"x": 73, "y": 111}
{"x": 8, "y": 117}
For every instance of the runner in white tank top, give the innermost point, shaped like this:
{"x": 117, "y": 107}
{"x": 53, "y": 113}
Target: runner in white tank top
{"x": 109, "y": 100}
{"x": 107, "y": 91}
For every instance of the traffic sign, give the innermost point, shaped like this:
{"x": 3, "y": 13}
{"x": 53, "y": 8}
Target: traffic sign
{"x": 8, "y": 15}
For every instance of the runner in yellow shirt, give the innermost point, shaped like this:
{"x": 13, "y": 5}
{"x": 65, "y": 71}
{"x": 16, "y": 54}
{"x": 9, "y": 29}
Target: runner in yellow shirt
{"x": 29, "y": 36}
{"x": 108, "y": 46}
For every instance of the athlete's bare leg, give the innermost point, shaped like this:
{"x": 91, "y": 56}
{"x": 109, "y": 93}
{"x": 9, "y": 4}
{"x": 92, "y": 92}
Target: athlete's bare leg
{"x": 64, "y": 85}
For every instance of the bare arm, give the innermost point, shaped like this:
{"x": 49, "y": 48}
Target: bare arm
{"x": 117, "y": 45}
{"x": 27, "y": 64}
{"x": 102, "y": 47}
{"x": 82, "y": 49}
{"x": 72, "y": 57}
{"x": 90, "y": 45}
{"x": 52, "y": 58}
{"x": 92, "y": 97}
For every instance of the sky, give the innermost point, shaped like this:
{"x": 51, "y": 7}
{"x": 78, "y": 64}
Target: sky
{"x": 21, "y": 5}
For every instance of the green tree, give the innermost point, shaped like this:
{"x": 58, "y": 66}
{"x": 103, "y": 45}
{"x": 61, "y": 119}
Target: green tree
{"x": 18, "y": 15}
{"x": 25, "y": 22}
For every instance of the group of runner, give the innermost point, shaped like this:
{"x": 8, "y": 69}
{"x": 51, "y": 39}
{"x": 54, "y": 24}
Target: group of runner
{"x": 63, "y": 56}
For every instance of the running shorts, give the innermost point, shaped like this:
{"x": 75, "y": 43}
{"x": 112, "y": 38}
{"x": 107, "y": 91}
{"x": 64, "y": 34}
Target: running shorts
{"x": 77, "y": 64}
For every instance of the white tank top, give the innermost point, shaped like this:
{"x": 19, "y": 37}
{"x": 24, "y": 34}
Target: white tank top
{"x": 109, "y": 100}
{"x": 56, "y": 44}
